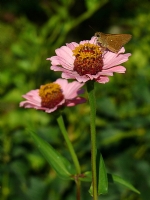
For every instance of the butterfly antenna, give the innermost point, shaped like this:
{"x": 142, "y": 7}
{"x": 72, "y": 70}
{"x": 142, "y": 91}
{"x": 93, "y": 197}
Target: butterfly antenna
{"x": 92, "y": 28}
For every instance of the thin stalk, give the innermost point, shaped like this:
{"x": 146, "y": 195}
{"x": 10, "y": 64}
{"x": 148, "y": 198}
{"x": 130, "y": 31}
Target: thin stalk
{"x": 69, "y": 144}
{"x": 78, "y": 184}
{"x": 72, "y": 152}
{"x": 92, "y": 102}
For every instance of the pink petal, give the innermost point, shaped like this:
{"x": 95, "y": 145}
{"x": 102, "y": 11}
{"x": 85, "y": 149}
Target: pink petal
{"x": 113, "y": 60}
{"x": 75, "y": 76}
{"x": 65, "y": 53}
{"x": 56, "y": 68}
{"x": 75, "y": 101}
{"x": 109, "y": 72}
{"x": 33, "y": 97}
{"x": 72, "y": 90}
{"x": 72, "y": 45}
{"x": 54, "y": 60}
{"x": 102, "y": 79}
{"x": 68, "y": 75}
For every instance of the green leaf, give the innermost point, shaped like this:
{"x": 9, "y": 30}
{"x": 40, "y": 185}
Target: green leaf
{"x": 102, "y": 177}
{"x": 60, "y": 164}
{"x": 116, "y": 179}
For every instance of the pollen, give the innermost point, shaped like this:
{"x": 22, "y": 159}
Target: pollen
{"x": 88, "y": 59}
{"x": 51, "y": 95}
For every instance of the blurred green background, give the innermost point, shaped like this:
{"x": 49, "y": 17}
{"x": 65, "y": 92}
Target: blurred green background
{"x": 30, "y": 31}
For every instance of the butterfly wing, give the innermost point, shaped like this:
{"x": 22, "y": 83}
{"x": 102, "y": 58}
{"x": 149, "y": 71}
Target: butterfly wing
{"x": 116, "y": 41}
{"x": 113, "y": 42}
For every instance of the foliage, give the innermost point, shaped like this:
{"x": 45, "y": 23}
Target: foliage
{"x": 30, "y": 32}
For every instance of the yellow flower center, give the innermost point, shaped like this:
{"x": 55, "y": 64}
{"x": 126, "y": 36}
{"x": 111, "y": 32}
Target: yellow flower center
{"x": 88, "y": 59}
{"x": 51, "y": 95}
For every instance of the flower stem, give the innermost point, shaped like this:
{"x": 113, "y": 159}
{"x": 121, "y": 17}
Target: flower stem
{"x": 72, "y": 152}
{"x": 78, "y": 184}
{"x": 70, "y": 147}
{"x": 92, "y": 102}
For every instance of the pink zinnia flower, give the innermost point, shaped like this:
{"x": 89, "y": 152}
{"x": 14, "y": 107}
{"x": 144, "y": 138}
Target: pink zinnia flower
{"x": 54, "y": 95}
{"x": 88, "y": 61}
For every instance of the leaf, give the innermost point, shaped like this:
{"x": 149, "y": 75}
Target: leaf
{"x": 57, "y": 162}
{"x": 102, "y": 177}
{"x": 116, "y": 179}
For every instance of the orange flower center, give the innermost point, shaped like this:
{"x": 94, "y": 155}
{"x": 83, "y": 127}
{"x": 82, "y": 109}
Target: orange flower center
{"x": 51, "y": 95}
{"x": 88, "y": 59}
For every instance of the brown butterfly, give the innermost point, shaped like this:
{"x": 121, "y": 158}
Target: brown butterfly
{"x": 113, "y": 42}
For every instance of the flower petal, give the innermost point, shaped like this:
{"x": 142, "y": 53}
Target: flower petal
{"x": 72, "y": 45}
{"x": 102, "y": 79}
{"x": 75, "y": 101}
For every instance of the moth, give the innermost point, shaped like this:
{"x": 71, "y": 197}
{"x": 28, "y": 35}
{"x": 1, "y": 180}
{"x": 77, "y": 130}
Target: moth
{"x": 113, "y": 42}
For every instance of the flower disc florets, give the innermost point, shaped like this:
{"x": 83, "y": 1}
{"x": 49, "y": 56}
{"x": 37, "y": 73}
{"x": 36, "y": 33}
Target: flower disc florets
{"x": 51, "y": 95}
{"x": 88, "y": 59}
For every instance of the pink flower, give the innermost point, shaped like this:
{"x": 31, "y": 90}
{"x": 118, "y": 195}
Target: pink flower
{"x": 54, "y": 95}
{"x": 88, "y": 61}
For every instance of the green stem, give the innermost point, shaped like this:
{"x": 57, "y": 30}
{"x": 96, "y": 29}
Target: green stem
{"x": 92, "y": 102}
{"x": 70, "y": 147}
{"x": 78, "y": 184}
{"x": 72, "y": 152}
